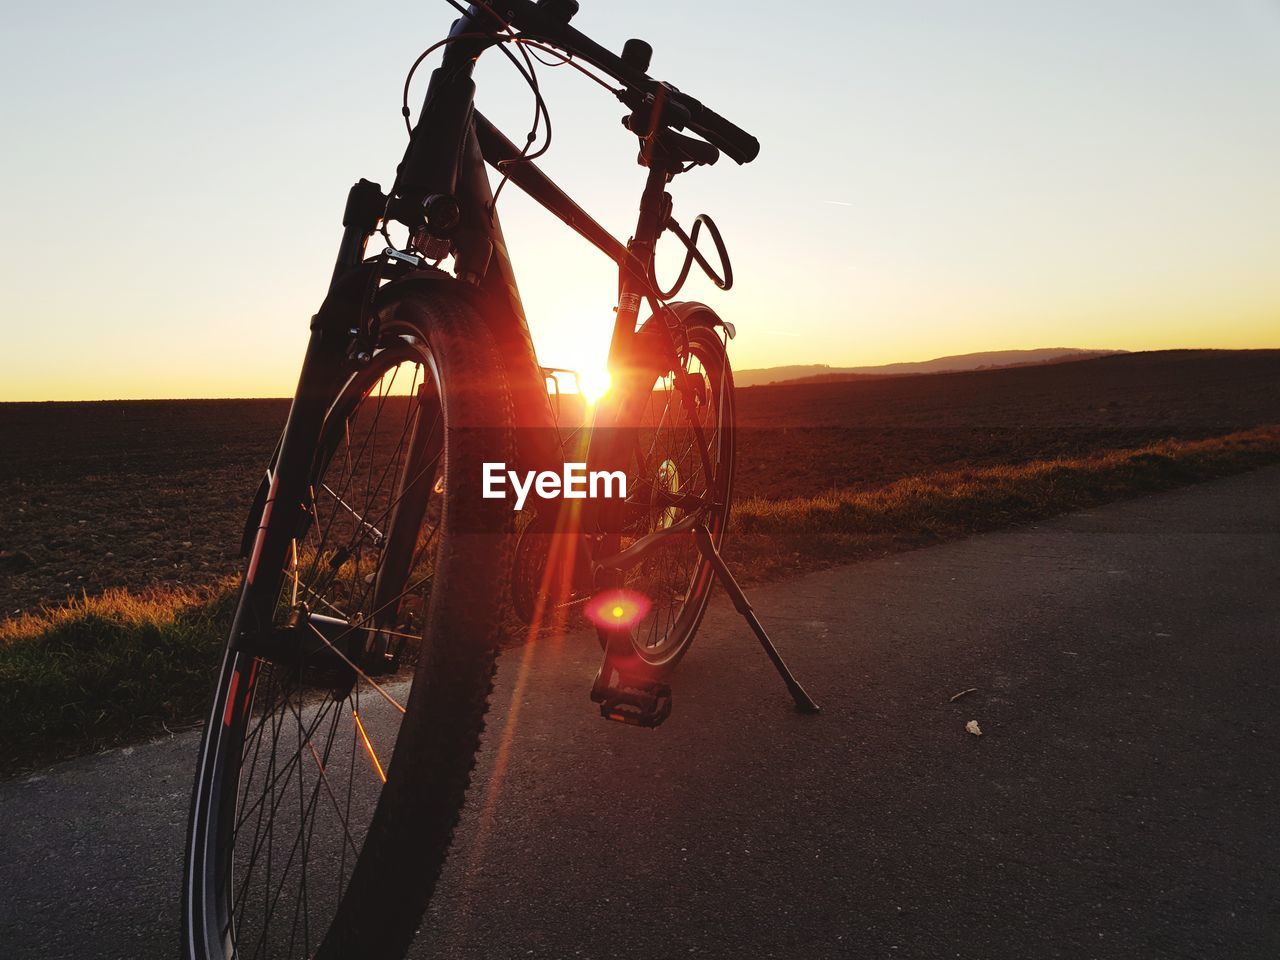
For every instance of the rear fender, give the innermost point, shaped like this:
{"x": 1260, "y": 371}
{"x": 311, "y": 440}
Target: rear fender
{"x": 690, "y": 312}
{"x": 658, "y": 340}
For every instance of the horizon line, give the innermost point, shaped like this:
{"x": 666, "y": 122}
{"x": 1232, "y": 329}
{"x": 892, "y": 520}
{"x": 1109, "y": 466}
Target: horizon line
{"x": 1107, "y": 351}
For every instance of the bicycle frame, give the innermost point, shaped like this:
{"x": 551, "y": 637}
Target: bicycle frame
{"x": 482, "y": 255}
{"x": 449, "y": 147}
{"x": 442, "y": 194}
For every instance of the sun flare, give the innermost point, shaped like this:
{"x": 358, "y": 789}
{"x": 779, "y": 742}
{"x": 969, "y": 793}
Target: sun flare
{"x": 594, "y": 384}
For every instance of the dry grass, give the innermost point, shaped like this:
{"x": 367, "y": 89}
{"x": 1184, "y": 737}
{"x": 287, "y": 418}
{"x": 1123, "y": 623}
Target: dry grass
{"x": 107, "y": 669}
{"x": 122, "y": 666}
{"x": 772, "y": 537}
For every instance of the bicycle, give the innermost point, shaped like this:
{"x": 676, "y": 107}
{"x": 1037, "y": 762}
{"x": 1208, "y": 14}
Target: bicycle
{"x": 352, "y": 693}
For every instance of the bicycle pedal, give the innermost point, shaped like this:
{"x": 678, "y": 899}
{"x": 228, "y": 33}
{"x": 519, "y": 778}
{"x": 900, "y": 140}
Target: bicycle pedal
{"x": 641, "y": 703}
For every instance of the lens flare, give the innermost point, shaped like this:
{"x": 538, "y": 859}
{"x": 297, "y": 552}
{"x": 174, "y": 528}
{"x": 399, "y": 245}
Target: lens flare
{"x": 594, "y": 384}
{"x": 617, "y": 609}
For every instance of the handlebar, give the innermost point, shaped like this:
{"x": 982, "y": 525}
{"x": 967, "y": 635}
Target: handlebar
{"x": 715, "y": 129}
{"x": 546, "y": 23}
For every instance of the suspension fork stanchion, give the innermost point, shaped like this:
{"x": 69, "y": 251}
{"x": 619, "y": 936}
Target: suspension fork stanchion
{"x": 323, "y": 365}
{"x": 289, "y": 493}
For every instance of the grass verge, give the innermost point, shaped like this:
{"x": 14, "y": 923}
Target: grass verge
{"x": 121, "y": 667}
{"x": 773, "y": 537}
{"x": 107, "y": 669}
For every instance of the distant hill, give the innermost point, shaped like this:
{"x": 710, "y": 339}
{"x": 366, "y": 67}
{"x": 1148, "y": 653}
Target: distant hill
{"x": 991, "y": 359}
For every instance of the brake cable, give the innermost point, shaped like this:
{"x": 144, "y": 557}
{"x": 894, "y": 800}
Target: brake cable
{"x": 528, "y": 73}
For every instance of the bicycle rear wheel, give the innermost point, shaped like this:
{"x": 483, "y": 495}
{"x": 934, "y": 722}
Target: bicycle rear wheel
{"x": 338, "y": 752}
{"x": 681, "y": 462}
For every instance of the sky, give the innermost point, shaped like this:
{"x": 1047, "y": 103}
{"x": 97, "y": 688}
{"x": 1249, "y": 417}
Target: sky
{"x": 934, "y": 178}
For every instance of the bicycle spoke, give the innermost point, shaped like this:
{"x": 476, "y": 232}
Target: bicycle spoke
{"x": 364, "y": 736}
{"x": 360, "y": 673}
{"x": 297, "y": 831}
{"x": 678, "y": 454}
{"x": 324, "y": 776}
{"x": 377, "y": 534}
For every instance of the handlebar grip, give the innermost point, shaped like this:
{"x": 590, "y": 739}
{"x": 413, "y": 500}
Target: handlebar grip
{"x": 539, "y": 21}
{"x": 715, "y": 129}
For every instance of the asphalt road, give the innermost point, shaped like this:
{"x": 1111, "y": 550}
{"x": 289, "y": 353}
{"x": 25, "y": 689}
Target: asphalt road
{"x": 1121, "y": 802}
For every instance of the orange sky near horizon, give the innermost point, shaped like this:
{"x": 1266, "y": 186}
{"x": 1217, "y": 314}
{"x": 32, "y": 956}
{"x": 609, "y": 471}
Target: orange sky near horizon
{"x": 934, "y": 179}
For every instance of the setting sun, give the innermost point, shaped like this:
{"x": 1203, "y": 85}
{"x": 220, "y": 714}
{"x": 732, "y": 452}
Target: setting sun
{"x": 947, "y": 342}
{"x": 590, "y": 384}
{"x": 594, "y": 384}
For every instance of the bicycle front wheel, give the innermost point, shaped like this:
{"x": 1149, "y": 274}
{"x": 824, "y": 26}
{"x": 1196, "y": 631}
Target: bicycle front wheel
{"x": 338, "y": 752}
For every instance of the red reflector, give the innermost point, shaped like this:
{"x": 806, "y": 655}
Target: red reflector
{"x": 617, "y": 609}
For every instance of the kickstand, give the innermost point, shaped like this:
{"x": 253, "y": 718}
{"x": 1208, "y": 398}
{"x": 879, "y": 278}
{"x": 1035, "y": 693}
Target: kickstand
{"x": 804, "y": 703}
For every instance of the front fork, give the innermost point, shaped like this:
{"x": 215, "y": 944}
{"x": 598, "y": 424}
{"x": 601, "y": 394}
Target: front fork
{"x": 285, "y": 506}
{"x": 325, "y": 365}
